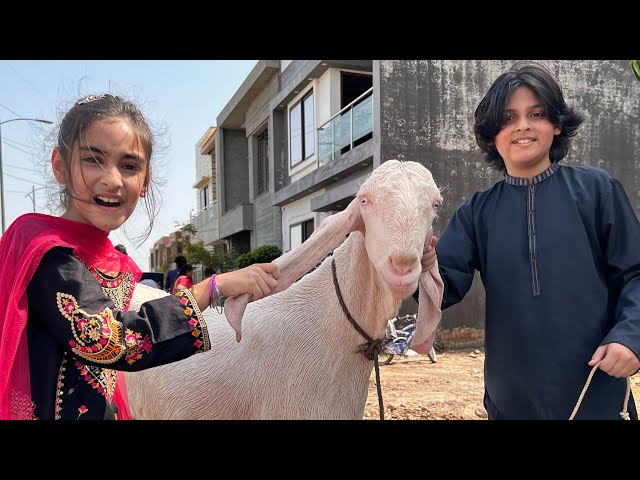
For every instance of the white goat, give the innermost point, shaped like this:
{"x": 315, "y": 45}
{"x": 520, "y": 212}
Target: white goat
{"x": 298, "y": 358}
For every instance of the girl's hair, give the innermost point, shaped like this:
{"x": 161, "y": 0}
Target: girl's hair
{"x": 187, "y": 267}
{"x": 81, "y": 116}
{"x": 489, "y": 116}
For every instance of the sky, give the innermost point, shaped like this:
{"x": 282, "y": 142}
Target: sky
{"x": 181, "y": 99}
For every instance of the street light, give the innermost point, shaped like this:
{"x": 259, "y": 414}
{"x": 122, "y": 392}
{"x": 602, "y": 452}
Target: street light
{"x": 1, "y": 175}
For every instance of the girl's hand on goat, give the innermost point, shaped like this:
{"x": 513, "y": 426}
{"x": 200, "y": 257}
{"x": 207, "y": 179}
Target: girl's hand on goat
{"x": 615, "y": 359}
{"x": 258, "y": 280}
{"x": 429, "y": 254}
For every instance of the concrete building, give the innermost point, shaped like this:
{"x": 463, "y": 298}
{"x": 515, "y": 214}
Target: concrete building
{"x": 297, "y": 139}
{"x": 159, "y": 255}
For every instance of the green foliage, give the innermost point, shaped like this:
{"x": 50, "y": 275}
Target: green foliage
{"x": 266, "y": 253}
{"x": 244, "y": 260}
{"x": 189, "y": 228}
{"x": 263, "y": 254}
{"x": 207, "y": 256}
{"x": 635, "y": 66}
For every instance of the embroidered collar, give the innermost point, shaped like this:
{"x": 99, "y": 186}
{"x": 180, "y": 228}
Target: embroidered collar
{"x": 537, "y": 179}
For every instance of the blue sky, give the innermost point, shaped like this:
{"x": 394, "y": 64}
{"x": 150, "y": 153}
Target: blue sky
{"x": 183, "y": 97}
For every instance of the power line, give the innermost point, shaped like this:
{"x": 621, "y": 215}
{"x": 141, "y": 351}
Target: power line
{"x": 5, "y": 140}
{"x": 23, "y": 151}
{"x": 24, "y": 180}
{"x": 25, "y": 80}
{"x": 22, "y": 168}
{"x": 7, "y": 108}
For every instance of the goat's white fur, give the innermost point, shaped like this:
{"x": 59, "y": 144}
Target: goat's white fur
{"x": 297, "y": 358}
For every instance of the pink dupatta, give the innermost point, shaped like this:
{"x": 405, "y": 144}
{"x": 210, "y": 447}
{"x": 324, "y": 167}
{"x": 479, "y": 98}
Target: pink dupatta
{"x": 21, "y": 249}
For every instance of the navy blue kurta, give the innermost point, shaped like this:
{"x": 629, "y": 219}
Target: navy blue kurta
{"x": 559, "y": 258}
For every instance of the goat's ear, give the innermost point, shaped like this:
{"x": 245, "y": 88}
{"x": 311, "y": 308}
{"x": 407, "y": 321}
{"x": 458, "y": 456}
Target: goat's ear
{"x": 295, "y": 263}
{"x": 430, "y": 291}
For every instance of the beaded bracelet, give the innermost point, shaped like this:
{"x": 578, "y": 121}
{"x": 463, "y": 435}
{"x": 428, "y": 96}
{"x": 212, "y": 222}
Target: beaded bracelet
{"x": 213, "y": 284}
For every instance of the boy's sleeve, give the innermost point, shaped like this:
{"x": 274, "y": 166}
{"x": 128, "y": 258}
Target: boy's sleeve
{"x": 622, "y": 252}
{"x": 67, "y": 300}
{"x": 457, "y": 255}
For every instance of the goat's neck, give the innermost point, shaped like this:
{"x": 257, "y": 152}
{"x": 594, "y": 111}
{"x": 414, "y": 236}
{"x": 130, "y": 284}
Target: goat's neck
{"x": 365, "y": 293}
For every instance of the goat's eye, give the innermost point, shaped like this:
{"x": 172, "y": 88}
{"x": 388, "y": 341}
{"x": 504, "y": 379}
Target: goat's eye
{"x": 364, "y": 201}
{"x": 437, "y": 204}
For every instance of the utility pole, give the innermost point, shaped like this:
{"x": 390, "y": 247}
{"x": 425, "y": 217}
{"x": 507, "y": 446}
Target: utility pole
{"x": 32, "y": 193}
{"x": 2, "y": 209}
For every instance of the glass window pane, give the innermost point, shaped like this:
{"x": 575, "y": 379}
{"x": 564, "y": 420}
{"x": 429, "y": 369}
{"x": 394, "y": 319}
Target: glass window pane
{"x": 295, "y": 124}
{"x": 263, "y": 163}
{"x": 296, "y": 236}
{"x": 308, "y": 229}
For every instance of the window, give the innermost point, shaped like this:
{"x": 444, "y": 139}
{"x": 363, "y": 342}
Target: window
{"x": 301, "y": 135}
{"x": 300, "y": 232}
{"x": 204, "y": 197}
{"x": 263, "y": 163}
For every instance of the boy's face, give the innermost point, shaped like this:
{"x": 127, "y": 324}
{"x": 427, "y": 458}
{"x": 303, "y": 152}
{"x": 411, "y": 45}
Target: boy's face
{"x": 526, "y": 136}
{"x": 107, "y": 174}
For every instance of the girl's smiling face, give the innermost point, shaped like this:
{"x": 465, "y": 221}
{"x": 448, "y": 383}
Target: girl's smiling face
{"x": 108, "y": 172}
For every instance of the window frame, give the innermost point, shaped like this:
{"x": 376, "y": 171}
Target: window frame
{"x": 302, "y": 102}
{"x": 304, "y": 235}
{"x": 265, "y": 163}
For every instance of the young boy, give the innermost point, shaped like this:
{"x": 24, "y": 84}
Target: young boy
{"x": 557, "y": 250}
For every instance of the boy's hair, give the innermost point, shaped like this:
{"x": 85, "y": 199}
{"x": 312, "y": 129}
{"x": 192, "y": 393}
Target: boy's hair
{"x": 121, "y": 248}
{"x": 82, "y": 115}
{"x": 180, "y": 261}
{"x": 489, "y": 116}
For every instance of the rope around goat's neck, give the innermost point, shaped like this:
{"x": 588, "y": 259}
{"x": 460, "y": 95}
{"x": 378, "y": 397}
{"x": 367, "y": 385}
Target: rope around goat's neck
{"x": 624, "y": 414}
{"x": 372, "y": 348}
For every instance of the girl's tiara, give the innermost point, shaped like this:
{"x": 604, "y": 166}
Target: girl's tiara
{"x": 90, "y": 98}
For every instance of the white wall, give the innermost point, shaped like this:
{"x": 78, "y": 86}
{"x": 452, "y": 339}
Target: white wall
{"x": 299, "y": 211}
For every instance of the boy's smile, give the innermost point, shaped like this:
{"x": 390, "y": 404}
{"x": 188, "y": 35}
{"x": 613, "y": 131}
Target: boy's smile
{"x": 526, "y": 136}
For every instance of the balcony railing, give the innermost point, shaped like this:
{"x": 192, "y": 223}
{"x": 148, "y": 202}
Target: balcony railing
{"x": 206, "y": 223}
{"x": 346, "y": 127}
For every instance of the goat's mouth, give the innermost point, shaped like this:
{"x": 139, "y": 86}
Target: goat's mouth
{"x": 402, "y": 286}
{"x": 400, "y": 293}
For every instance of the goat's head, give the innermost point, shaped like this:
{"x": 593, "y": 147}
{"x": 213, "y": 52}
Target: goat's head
{"x": 398, "y": 204}
{"x": 394, "y": 209}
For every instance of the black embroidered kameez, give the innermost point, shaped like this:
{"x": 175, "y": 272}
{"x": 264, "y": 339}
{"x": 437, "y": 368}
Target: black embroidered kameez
{"x": 78, "y": 336}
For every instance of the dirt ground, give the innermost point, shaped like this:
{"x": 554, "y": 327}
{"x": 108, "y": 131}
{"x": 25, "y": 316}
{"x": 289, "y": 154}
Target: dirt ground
{"x": 450, "y": 389}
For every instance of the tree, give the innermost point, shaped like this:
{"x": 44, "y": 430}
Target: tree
{"x": 206, "y": 255}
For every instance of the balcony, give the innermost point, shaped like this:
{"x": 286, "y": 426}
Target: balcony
{"x": 343, "y": 130}
{"x": 206, "y": 224}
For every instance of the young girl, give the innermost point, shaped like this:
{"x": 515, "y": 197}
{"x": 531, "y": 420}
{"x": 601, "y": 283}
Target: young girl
{"x": 64, "y": 324}
{"x": 184, "y": 278}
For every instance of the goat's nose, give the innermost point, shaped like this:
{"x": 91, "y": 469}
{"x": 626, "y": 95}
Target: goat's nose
{"x": 402, "y": 264}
